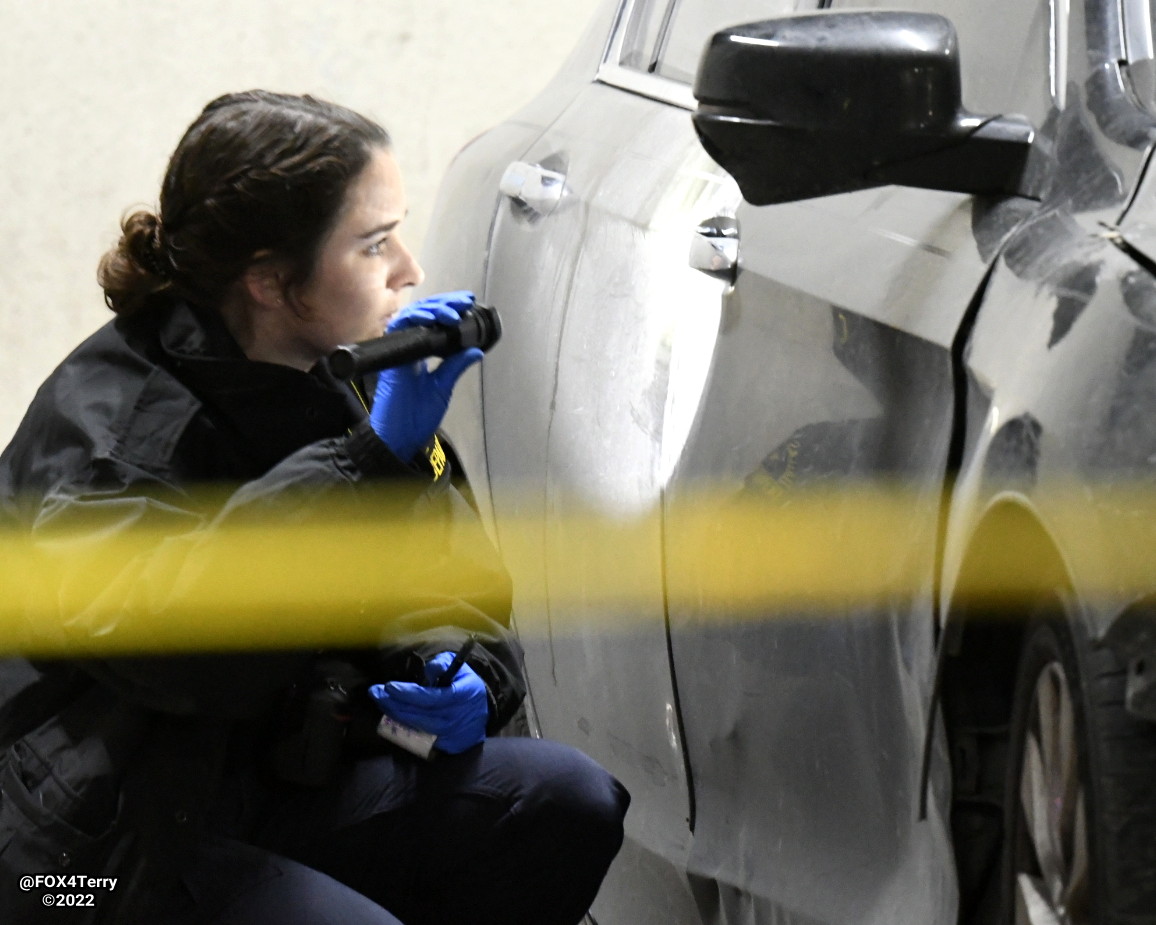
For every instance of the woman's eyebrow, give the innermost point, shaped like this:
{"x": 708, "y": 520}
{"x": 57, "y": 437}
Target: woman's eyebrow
{"x": 380, "y": 229}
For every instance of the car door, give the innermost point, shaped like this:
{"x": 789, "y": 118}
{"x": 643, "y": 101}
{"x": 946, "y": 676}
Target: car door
{"x": 589, "y": 265}
{"x": 832, "y": 368}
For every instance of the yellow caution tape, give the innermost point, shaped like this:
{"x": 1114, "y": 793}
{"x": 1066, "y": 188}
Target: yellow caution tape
{"x": 358, "y": 577}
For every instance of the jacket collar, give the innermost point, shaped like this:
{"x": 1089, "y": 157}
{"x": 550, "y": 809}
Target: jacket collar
{"x": 274, "y": 410}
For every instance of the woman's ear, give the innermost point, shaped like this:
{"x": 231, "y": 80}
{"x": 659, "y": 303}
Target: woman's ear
{"x": 264, "y": 281}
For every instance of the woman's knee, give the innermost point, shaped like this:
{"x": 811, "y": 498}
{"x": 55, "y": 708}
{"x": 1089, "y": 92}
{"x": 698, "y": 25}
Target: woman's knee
{"x": 571, "y": 787}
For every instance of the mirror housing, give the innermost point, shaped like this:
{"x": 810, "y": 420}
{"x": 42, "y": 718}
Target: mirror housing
{"x": 830, "y": 102}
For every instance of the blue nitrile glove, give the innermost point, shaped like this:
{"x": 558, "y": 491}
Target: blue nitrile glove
{"x": 457, "y": 714}
{"x": 411, "y": 401}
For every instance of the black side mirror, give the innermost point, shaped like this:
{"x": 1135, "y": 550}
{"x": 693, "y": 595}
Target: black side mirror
{"x": 823, "y": 103}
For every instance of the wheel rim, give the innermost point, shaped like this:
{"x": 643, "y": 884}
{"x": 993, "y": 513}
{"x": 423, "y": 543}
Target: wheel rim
{"x": 1052, "y": 872}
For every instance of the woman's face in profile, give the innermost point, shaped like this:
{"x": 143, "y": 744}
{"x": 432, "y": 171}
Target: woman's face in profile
{"x": 362, "y": 266}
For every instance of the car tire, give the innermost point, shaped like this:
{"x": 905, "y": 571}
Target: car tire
{"x": 1080, "y": 813}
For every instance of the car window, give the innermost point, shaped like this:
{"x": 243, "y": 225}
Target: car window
{"x": 693, "y": 22}
{"x": 1005, "y": 50}
{"x": 656, "y": 44}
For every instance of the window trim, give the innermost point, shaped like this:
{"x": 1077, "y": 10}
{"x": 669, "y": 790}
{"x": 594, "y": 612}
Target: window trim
{"x": 614, "y": 74}
{"x": 1135, "y": 54}
{"x": 1136, "y": 26}
{"x": 1059, "y": 13}
{"x": 660, "y": 44}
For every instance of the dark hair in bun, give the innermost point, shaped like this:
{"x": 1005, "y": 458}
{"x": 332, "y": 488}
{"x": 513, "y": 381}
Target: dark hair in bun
{"x": 257, "y": 171}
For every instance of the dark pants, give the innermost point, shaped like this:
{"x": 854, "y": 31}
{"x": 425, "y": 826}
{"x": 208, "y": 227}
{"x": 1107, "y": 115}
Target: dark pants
{"x": 516, "y": 831}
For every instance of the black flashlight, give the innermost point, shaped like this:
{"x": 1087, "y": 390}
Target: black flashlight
{"x": 479, "y": 327}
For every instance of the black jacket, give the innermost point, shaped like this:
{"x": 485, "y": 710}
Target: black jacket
{"x": 128, "y": 433}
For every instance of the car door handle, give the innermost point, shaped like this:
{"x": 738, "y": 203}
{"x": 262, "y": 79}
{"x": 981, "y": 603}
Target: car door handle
{"x": 535, "y": 187}
{"x": 714, "y": 248}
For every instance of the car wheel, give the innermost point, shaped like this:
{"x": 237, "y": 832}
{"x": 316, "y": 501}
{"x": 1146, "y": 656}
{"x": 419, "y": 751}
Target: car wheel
{"x": 1081, "y": 806}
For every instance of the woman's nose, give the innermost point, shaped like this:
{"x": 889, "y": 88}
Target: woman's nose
{"x": 408, "y": 271}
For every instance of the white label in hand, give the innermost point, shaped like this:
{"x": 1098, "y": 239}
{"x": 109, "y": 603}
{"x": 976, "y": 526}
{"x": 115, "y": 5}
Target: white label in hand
{"x": 412, "y": 740}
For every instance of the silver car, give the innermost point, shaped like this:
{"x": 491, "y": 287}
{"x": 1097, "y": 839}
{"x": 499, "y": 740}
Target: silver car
{"x": 862, "y": 285}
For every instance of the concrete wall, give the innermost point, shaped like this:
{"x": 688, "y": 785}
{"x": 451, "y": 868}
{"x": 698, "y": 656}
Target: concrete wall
{"x": 96, "y": 95}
